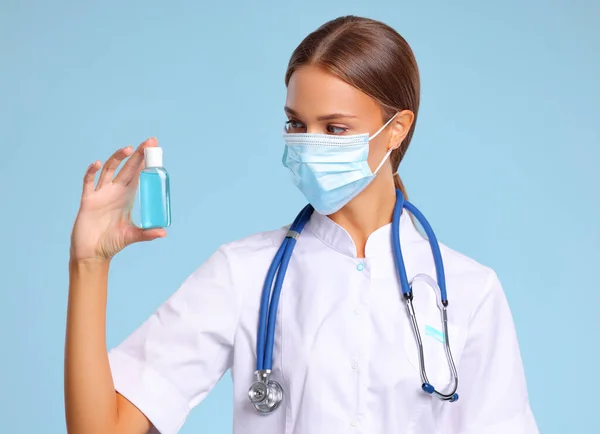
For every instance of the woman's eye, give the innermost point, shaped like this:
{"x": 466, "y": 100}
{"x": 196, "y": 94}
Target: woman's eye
{"x": 293, "y": 126}
{"x": 336, "y": 130}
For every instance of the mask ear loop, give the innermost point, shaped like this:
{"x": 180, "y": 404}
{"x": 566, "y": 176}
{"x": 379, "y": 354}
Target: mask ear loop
{"x": 383, "y": 127}
{"x": 388, "y": 153}
{"x": 390, "y": 150}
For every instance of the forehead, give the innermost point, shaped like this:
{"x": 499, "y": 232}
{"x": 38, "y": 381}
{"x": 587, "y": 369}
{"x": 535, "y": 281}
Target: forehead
{"x": 314, "y": 92}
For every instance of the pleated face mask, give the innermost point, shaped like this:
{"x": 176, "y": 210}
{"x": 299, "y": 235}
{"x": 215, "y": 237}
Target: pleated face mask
{"x": 330, "y": 170}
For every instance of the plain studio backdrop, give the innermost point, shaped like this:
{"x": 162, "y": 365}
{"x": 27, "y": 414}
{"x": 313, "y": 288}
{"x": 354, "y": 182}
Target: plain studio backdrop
{"x": 503, "y": 162}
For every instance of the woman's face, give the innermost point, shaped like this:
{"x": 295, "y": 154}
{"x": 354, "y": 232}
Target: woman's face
{"x": 319, "y": 102}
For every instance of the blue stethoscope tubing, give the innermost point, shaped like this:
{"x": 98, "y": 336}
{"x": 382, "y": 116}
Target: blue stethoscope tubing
{"x": 276, "y": 273}
{"x": 433, "y": 243}
{"x": 264, "y": 358}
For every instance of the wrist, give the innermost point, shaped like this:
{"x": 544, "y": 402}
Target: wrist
{"x": 88, "y": 264}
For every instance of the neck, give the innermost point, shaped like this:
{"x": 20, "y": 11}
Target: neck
{"x": 367, "y": 212}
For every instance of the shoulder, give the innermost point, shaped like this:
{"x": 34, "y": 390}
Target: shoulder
{"x": 235, "y": 266}
{"x": 255, "y": 245}
{"x": 246, "y": 258}
{"x": 468, "y": 281}
{"x": 462, "y": 266}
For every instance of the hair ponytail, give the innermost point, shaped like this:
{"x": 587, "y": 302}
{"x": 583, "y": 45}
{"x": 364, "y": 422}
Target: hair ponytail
{"x": 399, "y": 185}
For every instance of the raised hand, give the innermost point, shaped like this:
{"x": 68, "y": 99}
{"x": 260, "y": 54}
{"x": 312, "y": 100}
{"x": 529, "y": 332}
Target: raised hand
{"x": 103, "y": 225}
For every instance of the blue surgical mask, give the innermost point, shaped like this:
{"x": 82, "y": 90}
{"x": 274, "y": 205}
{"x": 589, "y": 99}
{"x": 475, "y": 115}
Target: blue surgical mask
{"x": 330, "y": 170}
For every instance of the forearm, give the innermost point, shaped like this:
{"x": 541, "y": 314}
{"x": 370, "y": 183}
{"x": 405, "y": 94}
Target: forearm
{"x": 90, "y": 397}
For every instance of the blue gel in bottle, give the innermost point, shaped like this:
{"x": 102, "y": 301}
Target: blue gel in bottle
{"x": 155, "y": 197}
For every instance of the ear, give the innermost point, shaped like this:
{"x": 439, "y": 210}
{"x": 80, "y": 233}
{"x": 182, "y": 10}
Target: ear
{"x": 400, "y": 128}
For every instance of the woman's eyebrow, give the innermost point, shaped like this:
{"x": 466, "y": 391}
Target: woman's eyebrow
{"x": 334, "y": 116}
{"x": 330, "y": 117}
{"x": 290, "y": 111}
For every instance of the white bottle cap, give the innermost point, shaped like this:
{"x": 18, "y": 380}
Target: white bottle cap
{"x": 153, "y": 157}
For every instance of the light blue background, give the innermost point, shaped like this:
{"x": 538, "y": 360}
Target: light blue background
{"x": 503, "y": 163}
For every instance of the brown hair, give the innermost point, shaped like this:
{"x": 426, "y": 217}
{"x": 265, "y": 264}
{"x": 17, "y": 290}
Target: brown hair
{"x": 372, "y": 57}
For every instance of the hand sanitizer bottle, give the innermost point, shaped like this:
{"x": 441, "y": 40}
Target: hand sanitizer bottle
{"x": 155, "y": 200}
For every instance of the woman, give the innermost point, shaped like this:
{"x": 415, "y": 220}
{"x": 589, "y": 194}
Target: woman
{"x": 344, "y": 352}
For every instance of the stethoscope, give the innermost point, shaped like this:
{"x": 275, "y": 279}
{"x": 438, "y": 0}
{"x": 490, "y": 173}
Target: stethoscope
{"x": 266, "y": 394}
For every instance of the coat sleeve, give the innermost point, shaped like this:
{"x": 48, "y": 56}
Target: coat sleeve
{"x": 492, "y": 390}
{"x": 170, "y": 363}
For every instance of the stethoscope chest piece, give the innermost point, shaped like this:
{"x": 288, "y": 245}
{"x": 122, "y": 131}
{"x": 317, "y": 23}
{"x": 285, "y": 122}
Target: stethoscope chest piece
{"x": 265, "y": 394}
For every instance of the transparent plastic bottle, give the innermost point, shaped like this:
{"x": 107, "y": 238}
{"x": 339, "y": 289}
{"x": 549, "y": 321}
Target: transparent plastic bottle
{"x": 155, "y": 196}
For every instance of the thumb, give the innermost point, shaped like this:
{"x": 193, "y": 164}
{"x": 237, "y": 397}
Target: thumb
{"x": 138, "y": 234}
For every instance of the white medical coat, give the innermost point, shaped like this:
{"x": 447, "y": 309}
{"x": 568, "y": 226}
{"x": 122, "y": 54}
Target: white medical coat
{"x": 344, "y": 351}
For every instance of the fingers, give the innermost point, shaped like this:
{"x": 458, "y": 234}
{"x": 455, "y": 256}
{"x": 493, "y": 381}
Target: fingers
{"x": 131, "y": 169}
{"x": 129, "y": 172}
{"x": 111, "y": 165}
{"x": 90, "y": 175}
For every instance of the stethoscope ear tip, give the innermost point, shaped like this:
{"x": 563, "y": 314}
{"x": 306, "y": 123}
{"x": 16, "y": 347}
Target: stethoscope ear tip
{"x": 428, "y": 388}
